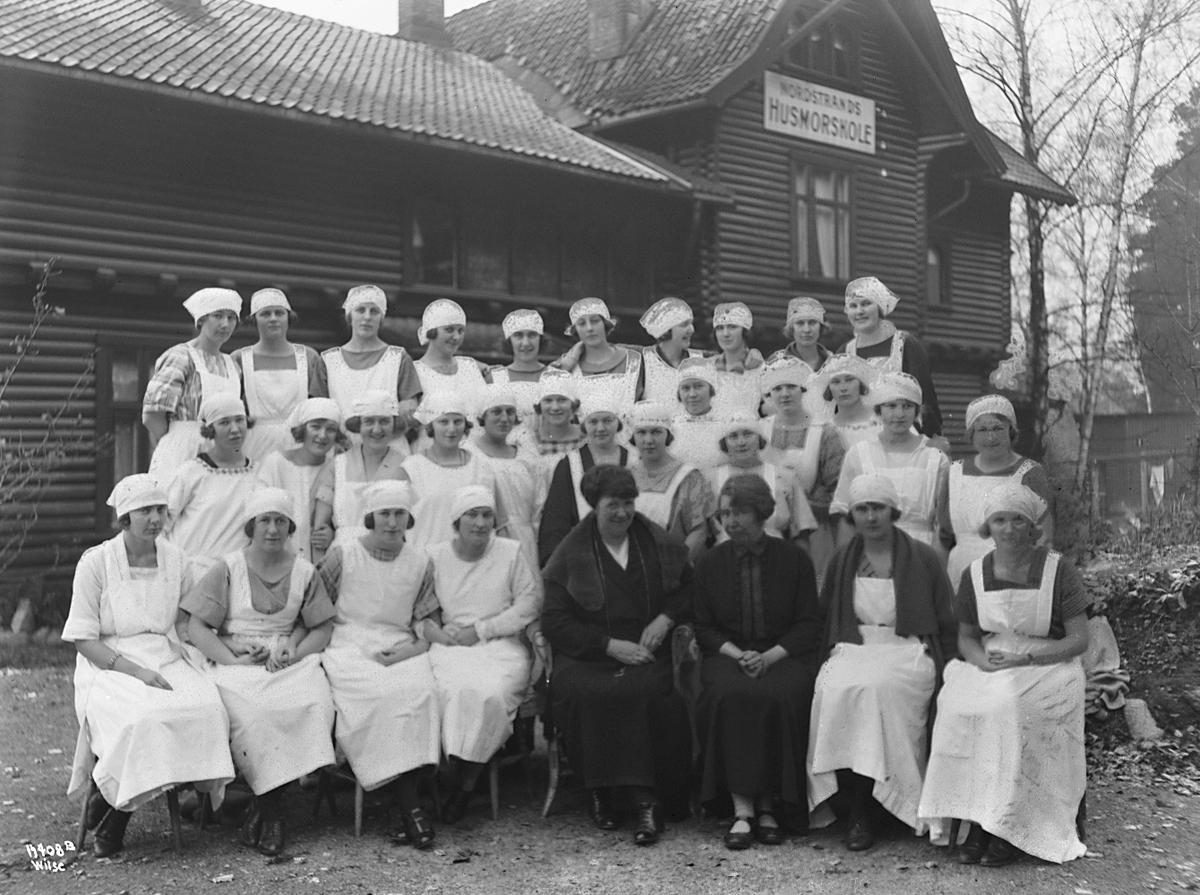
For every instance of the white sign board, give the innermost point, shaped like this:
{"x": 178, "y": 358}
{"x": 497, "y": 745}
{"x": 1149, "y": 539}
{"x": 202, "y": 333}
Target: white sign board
{"x": 821, "y": 114}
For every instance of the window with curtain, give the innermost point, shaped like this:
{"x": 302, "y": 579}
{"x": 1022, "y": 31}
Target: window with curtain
{"x": 822, "y": 222}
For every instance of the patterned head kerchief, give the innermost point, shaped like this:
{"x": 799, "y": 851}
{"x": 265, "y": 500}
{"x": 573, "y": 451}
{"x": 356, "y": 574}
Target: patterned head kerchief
{"x": 648, "y": 415}
{"x": 732, "y": 313}
{"x": 872, "y": 289}
{"x": 786, "y": 370}
{"x": 365, "y": 295}
{"x": 740, "y": 420}
{"x": 896, "y": 387}
{"x": 664, "y": 315}
{"x": 556, "y": 382}
{"x": 587, "y": 307}
{"x": 840, "y": 364}
{"x": 136, "y": 491}
{"x": 206, "y": 301}
{"x": 522, "y": 320}
{"x": 442, "y": 312}
{"x": 995, "y": 404}
{"x": 804, "y": 308}
{"x": 268, "y": 298}
{"x": 1013, "y": 497}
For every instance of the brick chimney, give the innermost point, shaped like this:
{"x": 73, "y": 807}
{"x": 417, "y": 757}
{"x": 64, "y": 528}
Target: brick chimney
{"x": 612, "y": 25}
{"x": 424, "y": 21}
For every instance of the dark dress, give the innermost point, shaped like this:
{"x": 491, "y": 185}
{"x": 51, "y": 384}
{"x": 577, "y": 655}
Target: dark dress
{"x": 623, "y": 725}
{"x": 560, "y": 512}
{"x": 755, "y": 731}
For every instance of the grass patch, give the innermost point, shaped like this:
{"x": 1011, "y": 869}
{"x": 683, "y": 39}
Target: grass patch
{"x": 29, "y": 653}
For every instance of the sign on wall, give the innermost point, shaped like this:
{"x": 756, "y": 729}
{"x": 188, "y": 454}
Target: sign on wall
{"x": 818, "y": 113}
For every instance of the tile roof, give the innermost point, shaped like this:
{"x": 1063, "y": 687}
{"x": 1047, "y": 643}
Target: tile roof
{"x": 1027, "y": 178}
{"x": 243, "y": 52}
{"x": 683, "y": 49}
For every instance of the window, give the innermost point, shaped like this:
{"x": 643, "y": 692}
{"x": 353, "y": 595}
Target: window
{"x": 830, "y": 50}
{"x": 937, "y": 275}
{"x": 821, "y": 222}
{"x": 434, "y": 244}
{"x": 123, "y": 447}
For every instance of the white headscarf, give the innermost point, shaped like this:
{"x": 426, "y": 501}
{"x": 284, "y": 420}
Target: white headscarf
{"x": 896, "y": 387}
{"x": 136, "y": 491}
{"x": 872, "y": 289}
{"x": 470, "y": 497}
{"x": 587, "y": 307}
{"x": 220, "y": 406}
{"x": 522, "y": 320}
{"x": 1013, "y": 497}
{"x": 442, "y": 312}
{"x": 664, "y": 315}
{"x": 206, "y": 301}
{"x": 874, "y": 488}
{"x": 365, "y": 295}
{"x": 994, "y": 404}
{"x": 269, "y": 500}
{"x": 375, "y": 402}
{"x": 268, "y": 298}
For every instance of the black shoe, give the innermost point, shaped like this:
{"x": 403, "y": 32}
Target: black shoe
{"x": 862, "y": 835}
{"x": 97, "y": 807}
{"x": 972, "y": 851}
{"x": 270, "y": 843}
{"x": 418, "y": 828}
{"x": 999, "y": 852}
{"x": 649, "y": 823}
{"x": 110, "y": 833}
{"x": 768, "y": 834}
{"x": 738, "y": 841}
{"x": 457, "y": 808}
{"x": 600, "y": 811}
{"x": 252, "y": 827}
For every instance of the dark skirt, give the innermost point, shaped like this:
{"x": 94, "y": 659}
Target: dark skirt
{"x": 623, "y": 725}
{"x": 755, "y": 732}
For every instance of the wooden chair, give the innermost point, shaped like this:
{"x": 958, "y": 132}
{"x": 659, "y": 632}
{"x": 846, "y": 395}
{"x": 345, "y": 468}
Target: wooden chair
{"x": 326, "y": 779}
{"x": 172, "y": 811}
{"x": 532, "y": 707}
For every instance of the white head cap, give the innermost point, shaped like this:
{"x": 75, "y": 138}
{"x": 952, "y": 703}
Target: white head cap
{"x": 365, "y": 295}
{"x": 664, "y": 315}
{"x": 993, "y": 404}
{"x": 375, "y": 402}
{"x": 206, "y": 301}
{"x": 587, "y": 307}
{"x": 786, "y": 371}
{"x": 732, "y": 313}
{"x": 739, "y": 421}
{"x": 315, "y": 409}
{"x": 872, "y": 289}
{"x": 268, "y": 298}
{"x": 698, "y": 368}
{"x": 522, "y": 320}
{"x": 219, "y": 406}
{"x": 497, "y": 394}
{"x": 136, "y": 491}
{"x": 874, "y": 488}
{"x": 1013, "y": 497}
{"x": 557, "y": 383}
{"x": 387, "y": 495}
{"x": 804, "y": 308}
{"x": 470, "y": 497}
{"x": 442, "y": 312}
{"x": 648, "y": 415}
{"x": 269, "y": 500}
{"x": 442, "y": 403}
{"x": 896, "y": 387}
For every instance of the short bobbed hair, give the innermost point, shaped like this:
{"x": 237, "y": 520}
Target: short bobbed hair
{"x": 863, "y": 390}
{"x": 896, "y": 514}
{"x": 712, "y": 390}
{"x": 670, "y": 435}
{"x": 369, "y": 521}
{"x": 248, "y": 528}
{"x": 467, "y": 427}
{"x": 723, "y": 443}
{"x": 209, "y": 430}
{"x": 749, "y": 492}
{"x": 604, "y": 481}
{"x": 1035, "y": 531}
{"x": 354, "y": 424}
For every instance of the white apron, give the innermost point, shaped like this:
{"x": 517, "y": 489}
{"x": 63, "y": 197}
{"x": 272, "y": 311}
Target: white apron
{"x": 893, "y": 363}
{"x": 780, "y": 523}
{"x": 346, "y": 384}
{"x": 737, "y": 392}
{"x": 916, "y": 482}
{"x": 803, "y": 462}
{"x": 518, "y": 500}
{"x": 968, "y": 494}
{"x": 869, "y": 711}
{"x": 434, "y": 487}
{"x": 656, "y": 505}
{"x": 280, "y": 722}
{"x": 1008, "y": 747}
{"x": 347, "y": 502}
{"x": 697, "y": 440}
{"x": 621, "y": 386}
{"x": 526, "y": 393}
{"x": 388, "y": 720}
{"x": 182, "y": 441}
{"x": 662, "y": 380}
{"x": 276, "y": 471}
{"x": 138, "y": 741}
{"x": 271, "y": 396}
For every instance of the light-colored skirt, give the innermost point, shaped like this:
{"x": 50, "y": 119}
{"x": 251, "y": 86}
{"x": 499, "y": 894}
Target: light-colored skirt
{"x": 479, "y": 688}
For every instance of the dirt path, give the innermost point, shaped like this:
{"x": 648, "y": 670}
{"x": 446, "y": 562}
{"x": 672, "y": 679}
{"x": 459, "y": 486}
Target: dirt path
{"x": 1142, "y": 838}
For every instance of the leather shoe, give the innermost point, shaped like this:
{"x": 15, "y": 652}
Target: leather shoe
{"x": 999, "y": 852}
{"x": 419, "y": 829}
{"x": 971, "y": 851}
{"x": 650, "y": 823}
{"x": 768, "y": 834}
{"x": 600, "y": 811}
{"x": 736, "y": 841}
{"x": 110, "y": 834}
{"x": 97, "y": 807}
{"x": 453, "y": 812}
{"x": 271, "y": 841}
{"x": 861, "y": 836}
{"x": 252, "y": 827}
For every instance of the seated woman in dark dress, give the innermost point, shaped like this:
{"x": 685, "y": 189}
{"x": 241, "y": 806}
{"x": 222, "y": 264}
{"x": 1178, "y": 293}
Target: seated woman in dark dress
{"x": 758, "y": 621}
{"x": 615, "y": 587}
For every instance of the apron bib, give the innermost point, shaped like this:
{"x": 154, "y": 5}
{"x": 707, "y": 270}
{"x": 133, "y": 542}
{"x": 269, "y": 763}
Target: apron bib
{"x": 656, "y": 506}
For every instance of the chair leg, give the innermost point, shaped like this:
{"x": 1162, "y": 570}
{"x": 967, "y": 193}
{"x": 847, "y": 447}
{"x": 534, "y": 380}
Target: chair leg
{"x": 176, "y": 823}
{"x": 1081, "y": 819}
{"x": 955, "y": 824}
{"x": 358, "y": 808}
{"x": 526, "y": 746}
{"x": 81, "y": 837}
{"x": 555, "y": 770}
{"x": 494, "y": 785}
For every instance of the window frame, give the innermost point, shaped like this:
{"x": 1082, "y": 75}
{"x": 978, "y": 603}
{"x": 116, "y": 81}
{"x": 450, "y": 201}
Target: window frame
{"x": 854, "y": 79}
{"x": 940, "y": 242}
{"x": 808, "y": 159}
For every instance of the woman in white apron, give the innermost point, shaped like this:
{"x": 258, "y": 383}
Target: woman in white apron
{"x": 442, "y": 368}
{"x": 261, "y": 615}
{"x": 843, "y": 386}
{"x": 553, "y": 430}
{"x": 918, "y": 470}
{"x": 671, "y": 494}
{"x": 737, "y": 368}
{"x": 805, "y": 325}
{"x": 565, "y": 505}
{"x": 148, "y": 720}
{"x": 594, "y": 362}
{"x": 698, "y": 428}
{"x": 523, "y": 330}
{"x": 442, "y": 468}
{"x": 810, "y": 450}
{"x": 888, "y": 349}
{"x": 185, "y": 375}
{"x": 338, "y": 515}
{"x": 388, "y": 721}
{"x": 889, "y": 629}
{"x": 671, "y": 324}
{"x": 208, "y": 494}
{"x": 277, "y": 375}
{"x": 1008, "y": 748}
{"x": 315, "y": 427}
{"x": 489, "y": 594}
{"x": 992, "y": 428}
{"x": 366, "y": 362}
{"x": 519, "y": 483}
{"x": 742, "y": 444}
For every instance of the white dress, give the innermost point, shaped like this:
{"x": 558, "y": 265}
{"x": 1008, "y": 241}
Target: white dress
{"x": 869, "y": 711}
{"x": 435, "y": 486}
{"x": 388, "y": 720}
{"x": 620, "y": 386}
{"x": 915, "y": 473}
{"x": 466, "y": 379}
{"x": 277, "y": 471}
{"x": 137, "y": 741}
{"x": 968, "y": 494}
{"x": 182, "y": 440}
{"x": 662, "y": 380}
{"x": 208, "y": 507}
{"x": 280, "y": 723}
{"x": 342, "y": 487}
{"x": 481, "y": 687}
{"x": 527, "y": 393}
{"x": 736, "y": 392}
{"x": 853, "y": 433}
{"x": 1008, "y": 746}
{"x": 271, "y": 395}
{"x": 520, "y": 494}
{"x": 792, "y": 513}
{"x": 697, "y": 440}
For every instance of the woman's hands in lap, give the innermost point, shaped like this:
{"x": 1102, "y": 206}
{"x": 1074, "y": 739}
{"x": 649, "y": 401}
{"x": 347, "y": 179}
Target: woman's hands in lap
{"x": 655, "y": 633}
{"x": 399, "y": 652}
{"x": 629, "y": 653}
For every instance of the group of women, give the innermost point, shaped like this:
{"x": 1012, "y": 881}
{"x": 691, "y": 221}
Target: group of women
{"x": 346, "y": 548}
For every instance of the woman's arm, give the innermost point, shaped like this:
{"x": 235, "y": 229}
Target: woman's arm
{"x": 970, "y": 645}
{"x": 314, "y": 640}
{"x": 526, "y": 604}
{"x": 109, "y": 659}
{"x": 1075, "y": 643}
{"x": 156, "y": 424}
{"x": 205, "y": 639}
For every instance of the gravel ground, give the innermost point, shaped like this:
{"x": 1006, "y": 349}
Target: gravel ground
{"x": 1143, "y": 838}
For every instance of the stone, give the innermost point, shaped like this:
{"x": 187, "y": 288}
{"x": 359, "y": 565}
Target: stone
{"x": 23, "y": 620}
{"x": 41, "y": 635}
{"x": 1142, "y": 726}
